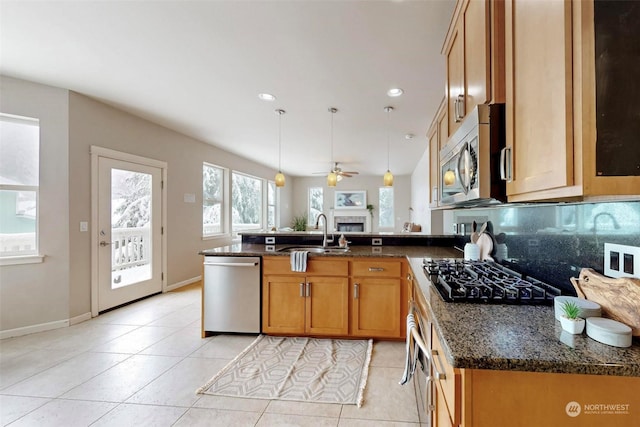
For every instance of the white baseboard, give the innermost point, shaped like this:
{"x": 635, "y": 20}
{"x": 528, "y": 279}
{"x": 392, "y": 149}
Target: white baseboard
{"x": 183, "y": 283}
{"x": 79, "y": 319}
{"x": 32, "y": 329}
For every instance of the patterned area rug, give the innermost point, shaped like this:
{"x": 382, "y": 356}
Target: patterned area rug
{"x": 302, "y": 369}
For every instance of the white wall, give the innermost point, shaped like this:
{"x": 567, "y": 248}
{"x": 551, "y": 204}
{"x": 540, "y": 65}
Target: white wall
{"x": 371, "y": 184}
{"x": 420, "y": 193}
{"x": 32, "y": 294}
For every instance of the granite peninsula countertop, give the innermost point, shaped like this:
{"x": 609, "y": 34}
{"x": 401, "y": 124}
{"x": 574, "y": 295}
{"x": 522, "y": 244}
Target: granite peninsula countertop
{"x": 251, "y": 249}
{"x": 519, "y": 338}
{"x": 480, "y": 336}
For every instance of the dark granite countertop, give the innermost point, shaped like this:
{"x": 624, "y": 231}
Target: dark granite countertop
{"x": 478, "y": 336}
{"x": 520, "y": 338}
{"x": 250, "y": 249}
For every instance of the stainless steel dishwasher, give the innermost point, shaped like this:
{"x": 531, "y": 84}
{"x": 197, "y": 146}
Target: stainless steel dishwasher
{"x": 231, "y": 297}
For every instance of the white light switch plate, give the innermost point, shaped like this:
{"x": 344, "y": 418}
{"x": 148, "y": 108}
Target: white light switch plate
{"x": 621, "y": 260}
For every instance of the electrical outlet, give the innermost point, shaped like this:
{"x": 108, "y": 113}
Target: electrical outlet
{"x": 621, "y": 260}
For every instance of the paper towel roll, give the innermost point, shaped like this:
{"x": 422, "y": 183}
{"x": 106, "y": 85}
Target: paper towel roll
{"x": 471, "y": 252}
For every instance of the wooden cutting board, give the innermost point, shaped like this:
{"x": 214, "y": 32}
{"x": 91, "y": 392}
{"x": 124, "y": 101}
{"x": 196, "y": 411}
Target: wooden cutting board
{"x": 619, "y": 298}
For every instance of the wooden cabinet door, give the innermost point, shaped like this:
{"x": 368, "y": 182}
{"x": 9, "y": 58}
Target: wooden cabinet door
{"x": 437, "y": 139}
{"x": 376, "y": 307}
{"x": 539, "y": 95}
{"x": 283, "y": 304}
{"x": 477, "y": 54}
{"x": 327, "y": 306}
{"x": 455, "y": 78}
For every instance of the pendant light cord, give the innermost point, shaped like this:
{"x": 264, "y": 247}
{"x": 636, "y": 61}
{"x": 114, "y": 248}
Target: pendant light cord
{"x": 279, "y": 142}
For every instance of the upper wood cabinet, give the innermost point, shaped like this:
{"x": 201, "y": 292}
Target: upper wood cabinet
{"x": 437, "y": 136}
{"x": 474, "y": 51}
{"x": 551, "y": 106}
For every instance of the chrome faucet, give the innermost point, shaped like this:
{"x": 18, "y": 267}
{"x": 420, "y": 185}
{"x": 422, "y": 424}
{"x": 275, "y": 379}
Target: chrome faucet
{"x": 325, "y": 240}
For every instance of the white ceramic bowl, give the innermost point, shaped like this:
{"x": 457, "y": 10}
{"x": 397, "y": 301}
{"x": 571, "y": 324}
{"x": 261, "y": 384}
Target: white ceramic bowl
{"x": 587, "y": 308}
{"x": 608, "y": 331}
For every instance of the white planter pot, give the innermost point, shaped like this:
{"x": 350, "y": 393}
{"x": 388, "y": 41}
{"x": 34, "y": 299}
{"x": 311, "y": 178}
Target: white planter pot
{"x": 573, "y": 326}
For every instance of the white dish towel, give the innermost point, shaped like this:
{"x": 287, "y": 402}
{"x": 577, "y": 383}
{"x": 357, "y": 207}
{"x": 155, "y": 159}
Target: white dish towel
{"x": 299, "y": 260}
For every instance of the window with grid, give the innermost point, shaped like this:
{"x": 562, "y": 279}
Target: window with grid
{"x": 246, "y": 202}
{"x": 271, "y": 204}
{"x": 212, "y": 200}
{"x": 385, "y": 218}
{"x": 315, "y": 203}
{"x": 19, "y": 183}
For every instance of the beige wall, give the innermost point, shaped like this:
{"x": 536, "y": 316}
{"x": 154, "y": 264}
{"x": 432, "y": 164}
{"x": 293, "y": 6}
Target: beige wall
{"x": 59, "y": 289}
{"x": 94, "y": 123}
{"x": 401, "y": 186}
{"x": 33, "y": 294}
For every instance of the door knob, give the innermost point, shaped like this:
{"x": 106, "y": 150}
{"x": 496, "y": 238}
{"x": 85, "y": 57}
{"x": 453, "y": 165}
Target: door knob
{"x": 103, "y": 243}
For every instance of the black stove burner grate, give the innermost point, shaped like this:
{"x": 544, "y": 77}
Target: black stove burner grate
{"x": 486, "y": 282}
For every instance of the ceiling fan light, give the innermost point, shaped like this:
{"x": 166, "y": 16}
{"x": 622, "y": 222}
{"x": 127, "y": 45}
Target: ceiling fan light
{"x": 339, "y": 177}
{"x": 388, "y": 179}
{"x": 332, "y": 179}
{"x": 280, "y": 179}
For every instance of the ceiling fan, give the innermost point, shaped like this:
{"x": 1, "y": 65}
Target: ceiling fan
{"x": 338, "y": 171}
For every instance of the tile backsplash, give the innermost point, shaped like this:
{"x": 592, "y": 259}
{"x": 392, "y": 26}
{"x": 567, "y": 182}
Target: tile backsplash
{"x": 553, "y": 242}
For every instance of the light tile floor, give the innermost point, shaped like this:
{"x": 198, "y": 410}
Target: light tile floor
{"x": 141, "y": 364}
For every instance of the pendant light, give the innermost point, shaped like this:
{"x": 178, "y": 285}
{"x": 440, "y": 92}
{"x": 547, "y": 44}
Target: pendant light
{"x": 280, "y": 176}
{"x": 332, "y": 178}
{"x": 388, "y": 176}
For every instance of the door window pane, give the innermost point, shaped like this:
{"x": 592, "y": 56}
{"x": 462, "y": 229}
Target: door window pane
{"x": 130, "y": 227}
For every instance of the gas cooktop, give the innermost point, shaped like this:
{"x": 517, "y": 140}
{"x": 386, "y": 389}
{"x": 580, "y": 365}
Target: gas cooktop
{"x": 459, "y": 280}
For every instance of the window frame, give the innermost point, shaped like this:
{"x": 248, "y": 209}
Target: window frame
{"x": 223, "y": 203}
{"x": 31, "y": 256}
{"x": 234, "y": 231}
{"x": 382, "y": 227}
{"x": 269, "y": 203}
{"x": 311, "y": 220}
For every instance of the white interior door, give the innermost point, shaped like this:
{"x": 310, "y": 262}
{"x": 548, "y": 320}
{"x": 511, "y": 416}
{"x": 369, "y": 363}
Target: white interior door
{"x": 129, "y": 232}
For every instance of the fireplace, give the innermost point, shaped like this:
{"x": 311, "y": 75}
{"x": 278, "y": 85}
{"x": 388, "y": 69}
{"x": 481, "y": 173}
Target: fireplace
{"x": 350, "y": 223}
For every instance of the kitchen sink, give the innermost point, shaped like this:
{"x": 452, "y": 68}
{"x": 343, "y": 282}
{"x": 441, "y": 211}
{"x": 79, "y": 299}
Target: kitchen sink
{"x": 314, "y": 249}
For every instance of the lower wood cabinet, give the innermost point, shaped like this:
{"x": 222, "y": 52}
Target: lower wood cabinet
{"x": 335, "y": 297}
{"x": 314, "y": 305}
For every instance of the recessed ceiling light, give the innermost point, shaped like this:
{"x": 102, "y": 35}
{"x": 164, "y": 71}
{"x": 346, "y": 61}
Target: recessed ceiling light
{"x": 396, "y": 91}
{"x": 266, "y": 97}
{"x": 409, "y": 136}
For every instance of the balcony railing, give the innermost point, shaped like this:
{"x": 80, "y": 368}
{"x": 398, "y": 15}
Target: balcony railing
{"x": 131, "y": 247}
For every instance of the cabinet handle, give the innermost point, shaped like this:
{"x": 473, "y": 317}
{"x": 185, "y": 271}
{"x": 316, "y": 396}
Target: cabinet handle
{"x": 356, "y": 290}
{"x": 459, "y": 108}
{"x": 430, "y": 404}
{"x": 409, "y": 277}
{"x": 505, "y": 169}
{"x": 437, "y": 374}
{"x": 302, "y": 290}
{"x": 456, "y": 117}
{"x": 376, "y": 269}
{"x": 308, "y": 289}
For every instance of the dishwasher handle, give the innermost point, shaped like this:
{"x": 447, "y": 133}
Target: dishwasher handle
{"x": 232, "y": 264}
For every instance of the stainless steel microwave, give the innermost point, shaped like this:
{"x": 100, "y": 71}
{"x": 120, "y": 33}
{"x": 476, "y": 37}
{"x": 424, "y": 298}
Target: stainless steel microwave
{"x": 470, "y": 161}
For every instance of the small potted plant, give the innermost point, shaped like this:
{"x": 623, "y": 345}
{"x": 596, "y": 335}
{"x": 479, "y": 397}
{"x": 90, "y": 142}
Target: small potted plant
{"x": 570, "y": 320}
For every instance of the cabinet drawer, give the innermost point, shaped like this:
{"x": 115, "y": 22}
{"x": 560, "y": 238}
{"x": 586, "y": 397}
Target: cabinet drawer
{"x": 328, "y": 266}
{"x": 376, "y": 268}
{"x": 450, "y": 385}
